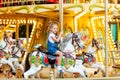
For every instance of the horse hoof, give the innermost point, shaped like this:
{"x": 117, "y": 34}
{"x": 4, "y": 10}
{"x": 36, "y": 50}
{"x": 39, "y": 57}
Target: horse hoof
{"x": 95, "y": 72}
{"x": 13, "y": 73}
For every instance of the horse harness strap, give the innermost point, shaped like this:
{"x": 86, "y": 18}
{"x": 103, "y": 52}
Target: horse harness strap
{"x": 14, "y": 54}
{"x": 16, "y": 51}
{"x": 74, "y": 39}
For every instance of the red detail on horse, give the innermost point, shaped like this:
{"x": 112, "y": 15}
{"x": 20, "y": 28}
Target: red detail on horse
{"x": 86, "y": 60}
{"x": 93, "y": 60}
{"x": 1, "y": 54}
{"x": 46, "y": 59}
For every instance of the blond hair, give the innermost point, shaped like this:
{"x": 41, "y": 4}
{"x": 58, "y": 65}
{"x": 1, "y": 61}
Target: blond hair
{"x": 50, "y": 25}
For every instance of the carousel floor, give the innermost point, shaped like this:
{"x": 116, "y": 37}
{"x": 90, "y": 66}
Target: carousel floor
{"x": 69, "y": 76}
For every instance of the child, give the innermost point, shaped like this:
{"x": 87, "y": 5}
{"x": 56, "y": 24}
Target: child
{"x": 53, "y": 41}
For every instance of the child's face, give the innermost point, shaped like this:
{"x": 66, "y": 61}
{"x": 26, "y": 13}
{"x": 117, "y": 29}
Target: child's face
{"x": 54, "y": 29}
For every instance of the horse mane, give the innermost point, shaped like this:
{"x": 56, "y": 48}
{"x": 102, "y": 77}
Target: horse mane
{"x": 65, "y": 41}
{"x": 67, "y": 38}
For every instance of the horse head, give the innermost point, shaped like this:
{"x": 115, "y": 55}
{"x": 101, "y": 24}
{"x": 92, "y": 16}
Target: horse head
{"x": 18, "y": 50}
{"x": 70, "y": 42}
{"x": 77, "y": 39}
{"x": 19, "y": 44}
{"x": 4, "y": 44}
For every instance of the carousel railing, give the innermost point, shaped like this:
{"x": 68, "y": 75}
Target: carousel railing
{"x": 6, "y": 3}
{"x": 115, "y": 58}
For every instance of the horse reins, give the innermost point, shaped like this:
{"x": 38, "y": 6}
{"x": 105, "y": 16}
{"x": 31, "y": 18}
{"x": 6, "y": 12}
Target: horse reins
{"x": 14, "y": 54}
{"x": 74, "y": 39}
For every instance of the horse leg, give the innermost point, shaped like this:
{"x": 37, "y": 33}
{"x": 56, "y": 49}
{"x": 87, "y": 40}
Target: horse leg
{"x": 11, "y": 65}
{"x": 79, "y": 65}
{"x": 75, "y": 70}
{"x": 97, "y": 71}
{"x": 99, "y": 66}
{"x": 33, "y": 70}
{"x": 11, "y": 62}
{"x": 4, "y": 61}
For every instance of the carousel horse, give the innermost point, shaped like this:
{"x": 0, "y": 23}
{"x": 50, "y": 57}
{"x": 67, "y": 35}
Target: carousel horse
{"x": 89, "y": 59}
{"x": 4, "y": 45}
{"x": 10, "y": 58}
{"x": 17, "y": 54}
{"x": 5, "y": 50}
{"x": 36, "y": 59}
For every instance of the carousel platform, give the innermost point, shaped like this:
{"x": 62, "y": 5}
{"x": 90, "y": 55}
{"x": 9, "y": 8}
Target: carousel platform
{"x": 105, "y": 78}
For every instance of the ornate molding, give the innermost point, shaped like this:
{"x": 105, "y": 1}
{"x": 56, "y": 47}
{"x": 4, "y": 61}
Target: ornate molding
{"x": 36, "y": 8}
{"x": 81, "y": 8}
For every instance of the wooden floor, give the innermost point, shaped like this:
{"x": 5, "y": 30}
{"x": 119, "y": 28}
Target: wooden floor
{"x": 104, "y": 78}
{"x": 112, "y": 76}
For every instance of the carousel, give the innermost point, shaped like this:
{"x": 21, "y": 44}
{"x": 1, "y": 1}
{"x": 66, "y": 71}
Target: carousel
{"x": 24, "y": 32}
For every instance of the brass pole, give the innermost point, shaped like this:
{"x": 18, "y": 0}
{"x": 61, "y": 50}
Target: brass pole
{"x": 106, "y": 37}
{"x": 17, "y": 30}
{"x": 61, "y": 15}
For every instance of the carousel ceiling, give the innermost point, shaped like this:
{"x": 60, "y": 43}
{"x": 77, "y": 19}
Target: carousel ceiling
{"x": 34, "y": 12}
{"x": 41, "y": 11}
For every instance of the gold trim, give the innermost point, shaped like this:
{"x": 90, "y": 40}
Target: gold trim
{"x": 92, "y": 6}
{"x": 22, "y": 8}
{"x": 117, "y": 7}
{"x": 44, "y": 7}
{"x": 73, "y": 6}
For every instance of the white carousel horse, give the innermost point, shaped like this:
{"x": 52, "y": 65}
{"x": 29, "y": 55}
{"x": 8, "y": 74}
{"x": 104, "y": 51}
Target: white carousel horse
{"x": 4, "y": 44}
{"x": 36, "y": 59}
{"x": 5, "y": 49}
{"x": 17, "y": 53}
{"x": 9, "y": 58}
{"x": 89, "y": 59}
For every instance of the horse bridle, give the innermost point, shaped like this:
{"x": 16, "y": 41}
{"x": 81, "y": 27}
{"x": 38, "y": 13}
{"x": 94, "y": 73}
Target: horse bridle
{"x": 75, "y": 40}
{"x": 94, "y": 43}
{"x": 14, "y": 54}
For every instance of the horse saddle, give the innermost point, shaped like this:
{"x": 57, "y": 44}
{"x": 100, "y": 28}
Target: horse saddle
{"x": 51, "y": 58}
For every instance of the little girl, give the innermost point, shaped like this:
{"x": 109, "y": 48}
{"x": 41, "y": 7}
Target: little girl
{"x": 53, "y": 41}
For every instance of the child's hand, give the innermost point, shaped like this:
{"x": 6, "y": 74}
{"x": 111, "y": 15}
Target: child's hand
{"x": 61, "y": 33}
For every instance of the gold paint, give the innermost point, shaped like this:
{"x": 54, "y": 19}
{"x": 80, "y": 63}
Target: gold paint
{"x": 44, "y": 7}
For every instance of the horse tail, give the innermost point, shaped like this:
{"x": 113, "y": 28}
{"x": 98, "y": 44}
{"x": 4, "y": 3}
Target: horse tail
{"x": 27, "y": 64}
